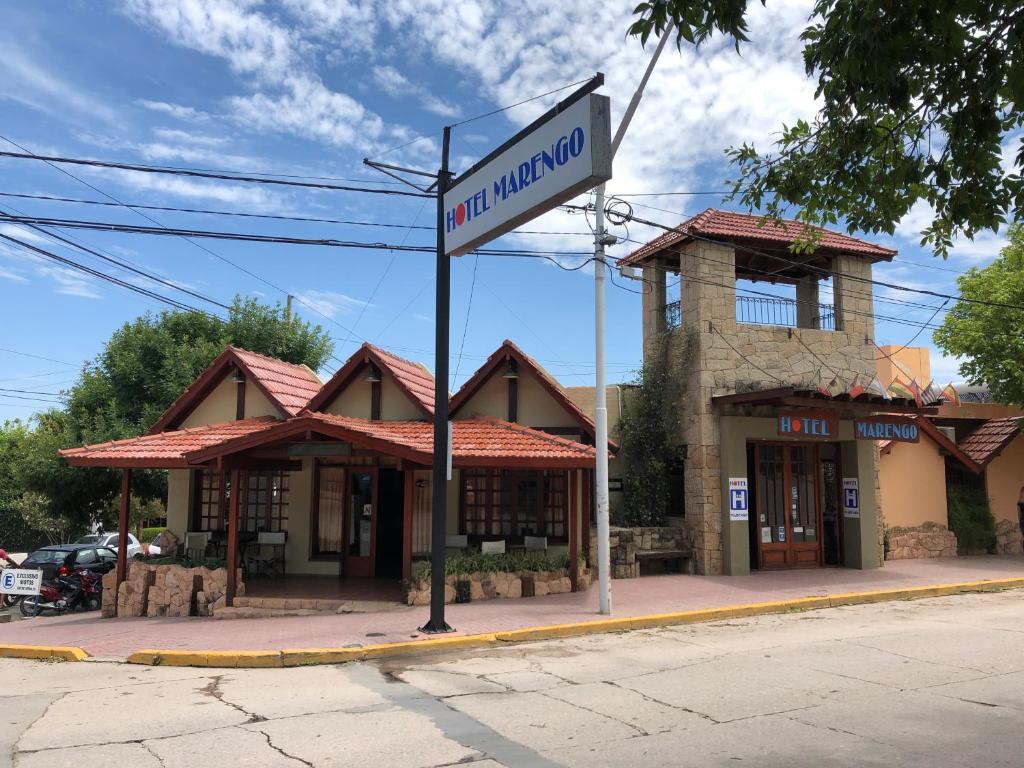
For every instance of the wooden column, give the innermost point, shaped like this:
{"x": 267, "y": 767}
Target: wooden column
{"x": 122, "y": 529}
{"x": 574, "y": 529}
{"x": 408, "y": 499}
{"x": 236, "y": 491}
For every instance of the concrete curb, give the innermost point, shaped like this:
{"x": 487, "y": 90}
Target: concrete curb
{"x": 309, "y": 656}
{"x": 45, "y": 652}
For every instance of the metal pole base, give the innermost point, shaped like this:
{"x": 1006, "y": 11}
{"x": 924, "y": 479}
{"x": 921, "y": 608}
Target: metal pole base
{"x": 433, "y": 629}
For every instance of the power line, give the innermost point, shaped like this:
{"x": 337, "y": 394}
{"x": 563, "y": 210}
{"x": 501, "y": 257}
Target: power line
{"x": 31, "y": 392}
{"x": 465, "y": 327}
{"x": 141, "y": 168}
{"x": 271, "y": 216}
{"x": 37, "y": 357}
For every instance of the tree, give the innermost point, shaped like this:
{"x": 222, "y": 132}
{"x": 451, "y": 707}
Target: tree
{"x": 990, "y": 339}
{"x": 918, "y": 98}
{"x": 142, "y": 369}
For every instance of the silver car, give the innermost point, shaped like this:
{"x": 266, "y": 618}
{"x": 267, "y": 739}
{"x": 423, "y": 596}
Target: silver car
{"x": 110, "y": 540}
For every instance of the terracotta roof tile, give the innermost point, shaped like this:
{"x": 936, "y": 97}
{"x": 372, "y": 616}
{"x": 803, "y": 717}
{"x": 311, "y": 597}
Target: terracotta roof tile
{"x": 988, "y": 440}
{"x": 728, "y": 225}
{"x": 163, "y": 450}
{"x": 290, "y": 385}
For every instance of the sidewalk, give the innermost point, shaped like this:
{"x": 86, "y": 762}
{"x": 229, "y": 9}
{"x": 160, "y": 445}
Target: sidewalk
{"x": 117, "y": 638}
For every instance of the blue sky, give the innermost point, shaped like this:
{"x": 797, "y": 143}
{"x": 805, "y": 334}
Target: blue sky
{"x": 310, "y": 87}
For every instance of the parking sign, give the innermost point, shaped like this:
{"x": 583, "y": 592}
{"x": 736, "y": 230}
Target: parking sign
{"x": 739, "y": 500}
{"x": 851, "y": 497}
{"x": 17, "y": 581}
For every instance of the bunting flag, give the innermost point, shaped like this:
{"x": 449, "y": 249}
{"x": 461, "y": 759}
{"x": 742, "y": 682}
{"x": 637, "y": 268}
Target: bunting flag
{"x": 824, "y": 387}
{"x": 950, "y": 395}
{"x": 931, "y": 393}
{"x": 899, "y": 389}
{"x": 915, "y": 390}
{"x": 856, "y": 388}
{"x": 877, "y": 388}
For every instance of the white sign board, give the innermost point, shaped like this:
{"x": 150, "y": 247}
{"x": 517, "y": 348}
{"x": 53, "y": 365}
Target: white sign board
{"x": 567, "y": 155}
{"x": 17, "y": 581}
{"x": 739, "y": 501}
{"x": 851, "y": 497}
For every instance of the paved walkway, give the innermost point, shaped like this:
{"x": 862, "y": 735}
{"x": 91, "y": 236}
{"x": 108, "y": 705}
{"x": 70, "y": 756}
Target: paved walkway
{"x": 117, "y": 638}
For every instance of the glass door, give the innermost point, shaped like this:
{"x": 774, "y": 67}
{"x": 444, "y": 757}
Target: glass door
{"x": 788, "y": 532}
{"x": 773, "y": 539}
{"x": 359, "y": 527}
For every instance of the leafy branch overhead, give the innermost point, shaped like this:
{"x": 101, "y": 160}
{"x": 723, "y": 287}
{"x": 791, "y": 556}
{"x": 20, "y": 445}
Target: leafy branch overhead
{"x": 919, "y": 101}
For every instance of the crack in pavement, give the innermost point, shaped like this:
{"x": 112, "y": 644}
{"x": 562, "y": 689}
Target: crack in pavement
{"x": 655, "y": 700}
{"x": 281, "y": 751}
{"x": 15, "y": 750}
{"x": 921, "y": 661}
{"x": 213, "y": 689}
{"x": 149, "y": 749}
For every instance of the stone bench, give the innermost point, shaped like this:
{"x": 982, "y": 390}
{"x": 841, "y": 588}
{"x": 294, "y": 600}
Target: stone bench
{"x": 666, "y": 556}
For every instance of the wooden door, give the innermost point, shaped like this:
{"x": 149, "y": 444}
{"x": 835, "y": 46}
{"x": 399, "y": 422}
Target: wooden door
{"x": 360, "y": 522}
{"x": 788, "y": 508}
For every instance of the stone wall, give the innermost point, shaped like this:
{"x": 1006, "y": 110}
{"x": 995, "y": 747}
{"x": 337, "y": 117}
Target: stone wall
{"x": 499, "y": 585}
{"x": 624, "y": 543}
{"x": 166, "y": 590}
{"x": 1008, "y": 538}
{"x": 923, "y": 541}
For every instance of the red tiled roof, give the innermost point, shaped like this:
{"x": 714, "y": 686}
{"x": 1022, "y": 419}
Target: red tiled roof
{"x": 508, "y": 350}
{"x": 988, "y": 440}
{"x": 412, "y": 378}
{"x": 288, "y": 386}
{"x": 164, "y": 450}
{"x": 476, "y": 442}
{"x": 940, "y": 439}
{"x": 730, "y": 226}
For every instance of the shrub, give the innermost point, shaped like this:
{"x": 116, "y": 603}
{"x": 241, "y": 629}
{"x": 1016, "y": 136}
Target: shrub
{"x": 971, "y": 519}
{"x": 148, "y": 534}
{"x": 510, "y": 562}
{"x": 213, "y": 563}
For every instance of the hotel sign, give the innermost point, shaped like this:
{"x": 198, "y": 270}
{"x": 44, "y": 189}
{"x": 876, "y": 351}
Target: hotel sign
{"x": 555, "y": 161}
{"x": 810, "y": 425}
{"x": 896, "y": 428}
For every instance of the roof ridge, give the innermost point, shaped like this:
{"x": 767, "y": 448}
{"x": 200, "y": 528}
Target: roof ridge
{"x": 522, "y": 428}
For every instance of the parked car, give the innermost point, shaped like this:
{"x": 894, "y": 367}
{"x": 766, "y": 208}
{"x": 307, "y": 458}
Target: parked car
{"x": 61, "y": 559}
{"x": 110, "y": 540}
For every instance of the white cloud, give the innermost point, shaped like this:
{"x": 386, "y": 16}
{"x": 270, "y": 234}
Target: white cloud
{"x": 7, "y": 274}
{"x": 330, "y": 303}
{"x": 253, "y": 198}
{"x": 28, "y": 82}
{"x": 394, "y": 83}
{"x": 177, "y": 111}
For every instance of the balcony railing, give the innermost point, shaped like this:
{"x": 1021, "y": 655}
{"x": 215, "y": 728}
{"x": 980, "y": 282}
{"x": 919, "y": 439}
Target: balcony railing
{"x": 784, "y": 312}
{"x": 756, "y": 310}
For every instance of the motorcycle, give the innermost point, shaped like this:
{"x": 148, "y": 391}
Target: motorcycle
{"x": 80, "y": 588}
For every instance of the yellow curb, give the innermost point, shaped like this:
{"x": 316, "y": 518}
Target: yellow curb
{"x": 308, "y": 656}
{"x": 61, "y": 652}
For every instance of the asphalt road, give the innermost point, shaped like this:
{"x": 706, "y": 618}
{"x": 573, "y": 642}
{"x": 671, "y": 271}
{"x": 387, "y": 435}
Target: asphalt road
{"x": 928, "y": 683}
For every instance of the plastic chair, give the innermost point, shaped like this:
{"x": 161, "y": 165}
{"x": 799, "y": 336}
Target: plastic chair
{"x": 259, "y": 558}
{"x": 196, "y": 543}
{"x": 492, "y": 547}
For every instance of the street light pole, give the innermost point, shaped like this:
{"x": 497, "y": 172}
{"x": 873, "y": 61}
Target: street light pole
{"x": 601, "y": 239}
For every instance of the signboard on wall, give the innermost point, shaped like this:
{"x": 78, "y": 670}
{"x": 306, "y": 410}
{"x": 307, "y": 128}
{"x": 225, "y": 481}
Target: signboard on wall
{"x": 809, "y": 425}
{"x": 900, "y": 429}
{"x": 851, "y": 497}
{"x": 739, "y": 500}
{"x": 554, "y": 162}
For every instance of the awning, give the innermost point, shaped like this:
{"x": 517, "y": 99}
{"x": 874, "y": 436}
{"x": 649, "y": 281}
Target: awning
{"x": 794, "y": 397}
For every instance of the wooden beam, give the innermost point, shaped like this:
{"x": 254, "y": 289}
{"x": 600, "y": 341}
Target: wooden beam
{"x": 236, "y": 491}
{"x": 513, "y": 400}
{"x": 122, "y": 530}
{"x": 574, "y": 529}
{"x": 407, "y": 506}
{"x": 240, "y": 400}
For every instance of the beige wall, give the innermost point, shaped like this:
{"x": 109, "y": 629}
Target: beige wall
{"x": 903, "y": 363}
{"x": 179, "y": 498}
{"x": 912, "y": 477}
{"x": 220, "y": 405}
{"x": 491, "y": 399}
{"x": 1004, "y": 477}
{"x": 354, "y": 401}
{"x": 537, "y": 408}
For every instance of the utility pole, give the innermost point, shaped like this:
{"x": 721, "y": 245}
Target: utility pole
{"x": 288, "y": 309}
{"x": 602, "y": 239}
{"x": 439, "y": 521}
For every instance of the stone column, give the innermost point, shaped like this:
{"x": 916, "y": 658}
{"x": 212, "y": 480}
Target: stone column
{"x": 807, "y": 302}
{"x": 654, "y": 291}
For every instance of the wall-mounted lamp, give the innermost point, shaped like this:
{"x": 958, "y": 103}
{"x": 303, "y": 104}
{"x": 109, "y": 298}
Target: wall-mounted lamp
{"x": 421, "y": 483}
{"x": 373, "y": 375}
{"x": 511, "y": 370}
{"x": 237, "y": 377}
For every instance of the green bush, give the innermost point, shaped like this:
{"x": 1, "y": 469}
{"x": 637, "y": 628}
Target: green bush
{"x": 971, "y": 519}
{"x": 510, "y": 562}
{"x": 212, "y": 563}
{"x": 148, "y": 534}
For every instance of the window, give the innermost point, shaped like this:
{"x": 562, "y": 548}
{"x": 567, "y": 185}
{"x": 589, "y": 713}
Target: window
{"x": 208, "y": 512}
{"x": 330, "y": 510}
{"x": 514, "y": 503}
{"x": 265, "y": 502}
{"x": 85, "y": 556}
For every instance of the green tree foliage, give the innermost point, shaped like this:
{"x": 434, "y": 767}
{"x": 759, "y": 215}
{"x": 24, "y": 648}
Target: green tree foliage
{"x": 142, "y": 369}
{"x": 651, "y": 437}
{"x": 918, "y": 98}
{"x": 990, "y": 340}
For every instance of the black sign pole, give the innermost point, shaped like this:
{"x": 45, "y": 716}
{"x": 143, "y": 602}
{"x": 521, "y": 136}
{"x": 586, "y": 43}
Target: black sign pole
{"x": 442, "y": 311}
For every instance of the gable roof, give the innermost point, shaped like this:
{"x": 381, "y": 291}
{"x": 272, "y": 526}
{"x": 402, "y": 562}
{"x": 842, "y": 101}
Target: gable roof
{"x": 412, "y": 378}
{"x": 940, "y": 439}
{"x": 287, "y": 386}
{"x": 163, "y": 450}
{"x": 476, "y": 442}
{"x": 508, "y": 350}
{"x": 988, "y": 440}
{"x": 729, "y": 226}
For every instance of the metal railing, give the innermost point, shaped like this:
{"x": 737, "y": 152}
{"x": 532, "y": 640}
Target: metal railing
{"x": 673, "y": 315}
{"x": 783, "y": 312}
